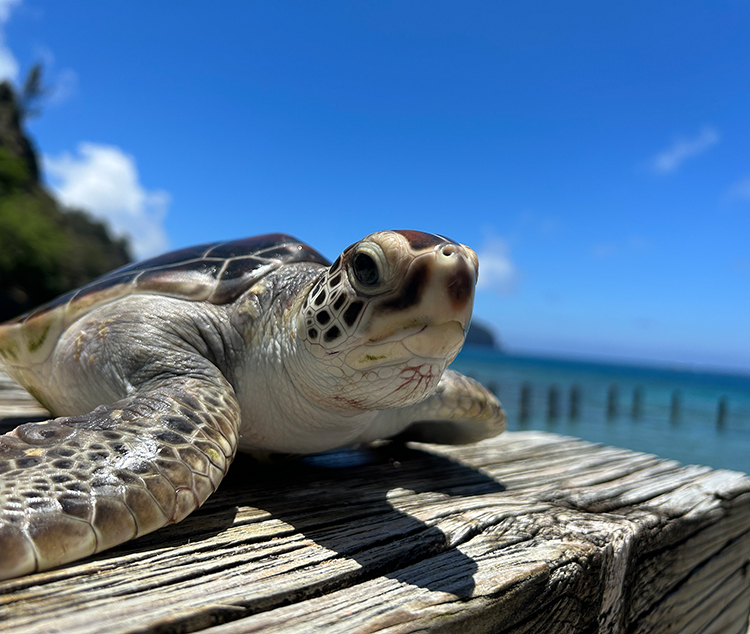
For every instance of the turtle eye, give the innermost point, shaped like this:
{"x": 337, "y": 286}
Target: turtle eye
{"x": 365, "y": 270}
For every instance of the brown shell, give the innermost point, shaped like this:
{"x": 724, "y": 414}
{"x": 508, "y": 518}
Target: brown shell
{"x": 218, "y": 273}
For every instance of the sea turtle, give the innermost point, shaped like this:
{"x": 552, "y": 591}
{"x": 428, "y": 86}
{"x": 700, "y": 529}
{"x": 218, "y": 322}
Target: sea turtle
{"x": 163, "y": 369}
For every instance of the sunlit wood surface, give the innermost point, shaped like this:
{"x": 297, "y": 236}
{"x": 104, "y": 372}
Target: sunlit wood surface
{"x": 530, "y": 532}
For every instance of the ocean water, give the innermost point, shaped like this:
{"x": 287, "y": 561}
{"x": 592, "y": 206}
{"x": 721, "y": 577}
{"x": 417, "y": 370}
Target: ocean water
{"x": 690, "y": 416}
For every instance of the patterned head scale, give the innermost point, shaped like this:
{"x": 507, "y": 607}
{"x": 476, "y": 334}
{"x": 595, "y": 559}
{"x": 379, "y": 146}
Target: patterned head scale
{"x": 392, "y": 299}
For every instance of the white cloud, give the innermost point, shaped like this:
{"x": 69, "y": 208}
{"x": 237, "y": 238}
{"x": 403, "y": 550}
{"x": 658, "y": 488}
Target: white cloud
{"x": 6, "y": 6}
{"x": 496, "y": 269}
{"x": 103, "y": 180}
{"x": 8, "y": 63}
{"x": 682, "y": 149}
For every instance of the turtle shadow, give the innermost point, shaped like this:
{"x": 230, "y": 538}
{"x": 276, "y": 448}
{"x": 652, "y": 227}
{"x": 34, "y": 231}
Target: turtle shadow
{"x": 340, "y": 501}
{"x": 345, "y": 501}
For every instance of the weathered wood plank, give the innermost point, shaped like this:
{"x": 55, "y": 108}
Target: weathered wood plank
{"x": 16, "y": 405}
{"x": 529, "y": 532}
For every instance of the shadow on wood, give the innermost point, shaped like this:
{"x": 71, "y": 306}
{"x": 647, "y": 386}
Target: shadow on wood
{"x": 333, "y": 494}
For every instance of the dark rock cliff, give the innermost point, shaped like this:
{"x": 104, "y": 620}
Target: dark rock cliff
{"x": 480, "y": 335}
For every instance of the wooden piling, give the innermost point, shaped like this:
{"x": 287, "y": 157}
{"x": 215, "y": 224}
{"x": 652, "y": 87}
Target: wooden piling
{"x": 637, "y": 412}
{"x": 612, "y": 402}
{"x": 721, "y": 413}
{"x": 553, "y": 403}
{"x": 524, "y": 406}
{"x": 674, "y": 408}
{"x": 574, "y": 403}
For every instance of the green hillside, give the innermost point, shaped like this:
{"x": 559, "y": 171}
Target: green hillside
{"x": 45, "y": 250}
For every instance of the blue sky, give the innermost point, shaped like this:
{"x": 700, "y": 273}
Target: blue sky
{"x": 596, "y": 155}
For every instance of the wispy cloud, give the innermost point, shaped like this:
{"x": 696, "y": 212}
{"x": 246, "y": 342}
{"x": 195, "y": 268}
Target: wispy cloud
{"x": 6, "y": 6}
{"x": 604, "y": 249}
{"x": 670, "y": 159}
{"x": 63, "y": 83}
{"x": 740, "y": 190}
{"x": 103, "y": 180}
{"x": 539, "y": 223}
{"x": 8, "y": 62}
{"x": 609, "y": 249}
{"x": 64, "y": 86}
{"x": 497, "y": 272}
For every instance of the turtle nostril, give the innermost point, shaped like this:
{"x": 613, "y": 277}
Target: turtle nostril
{"x": 448, "y": 250}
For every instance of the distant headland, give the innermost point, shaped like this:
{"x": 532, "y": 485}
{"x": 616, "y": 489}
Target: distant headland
{"x": 480, "y": 335}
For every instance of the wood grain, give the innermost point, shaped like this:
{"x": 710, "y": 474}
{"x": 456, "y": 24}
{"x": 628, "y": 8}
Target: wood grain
{"x": 16, "y": 406}
{"x": 529, "y": 532}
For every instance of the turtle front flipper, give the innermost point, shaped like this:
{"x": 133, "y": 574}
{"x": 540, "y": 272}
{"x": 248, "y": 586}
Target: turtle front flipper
{"x": 71, "y": 487}
{"x": 461, "y": 410}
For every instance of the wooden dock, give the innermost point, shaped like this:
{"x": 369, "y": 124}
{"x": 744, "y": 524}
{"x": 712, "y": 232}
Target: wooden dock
{"x": 527, "y": 533}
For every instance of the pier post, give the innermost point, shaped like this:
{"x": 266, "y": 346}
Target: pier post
{"x": 637, "y": 403}
{"x": 612, "y": 402}
{"x": 553, "y": 403}
{"x": 524, "y": 406}
{"x": 574, "y": 406}
{"x": 674, "y": 408}
{"x": 721, "y": 413}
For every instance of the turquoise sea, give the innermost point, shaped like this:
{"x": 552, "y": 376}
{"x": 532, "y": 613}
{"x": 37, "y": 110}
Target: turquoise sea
{"x": 694, "y": 417}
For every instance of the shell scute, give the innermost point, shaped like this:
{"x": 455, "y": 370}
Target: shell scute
{"x": 181, "y": 256}
{"x": 293, "y": 253}
{"x": 193, "y": 280}
{"x": 217, "y": 272}
{"x": 254, "y": 245}
{"x": 101, "y": 286}
{"x": 241, "y": 267}
{"x": 91, "y": 296}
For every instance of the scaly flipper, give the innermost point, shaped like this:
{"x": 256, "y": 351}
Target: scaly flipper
{"x": 73, "y": 486}
{"x": 459, "y": 411}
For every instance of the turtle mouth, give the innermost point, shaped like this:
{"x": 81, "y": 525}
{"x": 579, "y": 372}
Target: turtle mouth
{"x": 419, "y": 341}
{"x": 436, "y": 341}
{"x": 414, "y": 327}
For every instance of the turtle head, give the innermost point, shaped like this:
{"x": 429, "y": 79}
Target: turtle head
{"x": 387, "y": 317}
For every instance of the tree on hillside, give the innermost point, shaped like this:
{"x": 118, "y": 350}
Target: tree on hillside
{"x": 45, "y": 250}
{"x": 32, "y": 92}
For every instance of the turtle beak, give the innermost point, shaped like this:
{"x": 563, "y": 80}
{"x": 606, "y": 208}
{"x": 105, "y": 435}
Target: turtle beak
{"x": 457, "y": 269}
{"x": 441, "y": 319}
{"x": 437, "y": 288}
{"x": 449, "y": 291}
